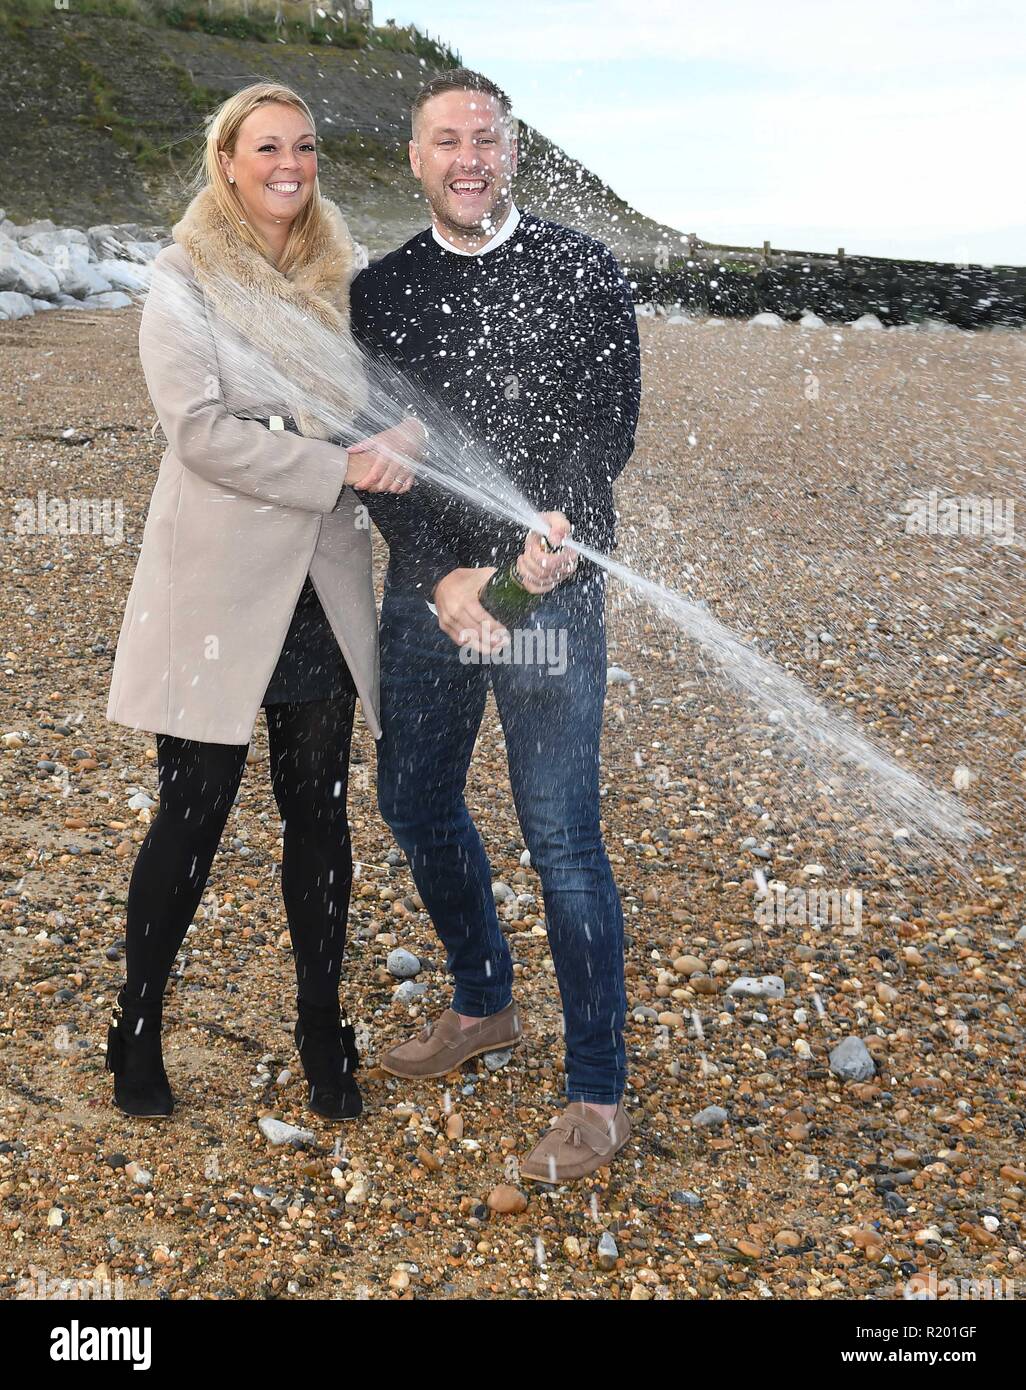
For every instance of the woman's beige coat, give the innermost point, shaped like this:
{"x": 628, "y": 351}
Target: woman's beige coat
{"x": 240, "y": 513}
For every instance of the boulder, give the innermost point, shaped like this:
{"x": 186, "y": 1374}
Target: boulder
{"x": 126, "y": 275}
{"x": 15, "y": 306}
{"x": 44, "y": 244}
{"x": 866, "y": 323}
{"x": 85, "y": 280}
{"x": 25, "y": 273}
{"x": 31, "y": 228}
{"x": 766, "y": 320}
{"x": 107, "y": 299}
{"x": 69, "y": 260}
{"x": 109, "y": 238}
{"x": 143, "y": 252}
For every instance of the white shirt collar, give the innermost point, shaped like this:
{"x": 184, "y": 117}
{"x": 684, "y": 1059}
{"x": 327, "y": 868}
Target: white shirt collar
{"x": 505, "y": 231}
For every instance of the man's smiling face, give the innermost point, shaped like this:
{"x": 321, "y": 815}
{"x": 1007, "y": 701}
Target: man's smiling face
{"x": 465, "y": 156}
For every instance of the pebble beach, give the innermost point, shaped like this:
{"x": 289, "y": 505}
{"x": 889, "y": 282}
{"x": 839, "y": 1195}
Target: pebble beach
{"x": 821, "y": 1109}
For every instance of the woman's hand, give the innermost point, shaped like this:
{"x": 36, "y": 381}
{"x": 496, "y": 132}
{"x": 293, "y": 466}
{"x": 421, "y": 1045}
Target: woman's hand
{"x": 539, "y": 570}
{"x": 382, "y": 462}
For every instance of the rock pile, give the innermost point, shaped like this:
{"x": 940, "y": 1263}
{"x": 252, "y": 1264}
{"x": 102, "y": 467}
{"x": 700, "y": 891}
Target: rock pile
{"x": 43, "y": 266}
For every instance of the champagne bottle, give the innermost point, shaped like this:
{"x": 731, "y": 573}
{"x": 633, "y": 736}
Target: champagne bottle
{"x": 505, "y": 597}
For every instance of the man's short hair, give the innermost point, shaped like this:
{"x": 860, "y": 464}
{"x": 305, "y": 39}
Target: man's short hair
{"x": 463, "y": 80}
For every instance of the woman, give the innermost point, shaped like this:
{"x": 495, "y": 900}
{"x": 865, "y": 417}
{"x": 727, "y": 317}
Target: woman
{"x": 250, "y": 531}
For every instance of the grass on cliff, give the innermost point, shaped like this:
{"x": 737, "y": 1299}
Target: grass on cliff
{"x": 255, "y": 21}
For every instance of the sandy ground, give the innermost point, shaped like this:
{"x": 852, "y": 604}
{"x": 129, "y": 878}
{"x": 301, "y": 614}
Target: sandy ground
{"x": 770, "y": 480}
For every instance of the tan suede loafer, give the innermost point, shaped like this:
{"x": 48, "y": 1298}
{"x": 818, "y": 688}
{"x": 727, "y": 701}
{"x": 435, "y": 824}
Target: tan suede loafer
{"x": 441, "y": 1047}
{"x": 579, "y": 1142}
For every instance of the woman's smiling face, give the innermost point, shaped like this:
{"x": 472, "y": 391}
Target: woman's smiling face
{"x": 274, "y": 165}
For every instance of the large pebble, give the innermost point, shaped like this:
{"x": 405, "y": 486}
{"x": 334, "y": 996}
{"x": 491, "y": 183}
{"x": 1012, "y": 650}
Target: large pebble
{"x": 850, "y": 1060}
{"x": 278, "y": 1132}
{"x": 402, "y": 964}
{"x": 684, "y": 1197}
{"x": 507, "y": 1200}
{"x": 607, "y": 1252}
{"x": 710, "y": 1118}
{"x": 141, "y": 1176}
{"x": 766, "y": 987}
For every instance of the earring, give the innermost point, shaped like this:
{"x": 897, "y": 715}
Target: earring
{"x": 230, "y": 179}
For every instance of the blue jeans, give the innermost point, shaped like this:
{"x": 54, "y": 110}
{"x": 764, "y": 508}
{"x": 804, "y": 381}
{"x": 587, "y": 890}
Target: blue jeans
{"x": 432, "y": 702}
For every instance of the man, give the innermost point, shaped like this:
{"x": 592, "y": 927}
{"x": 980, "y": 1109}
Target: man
{"x": 525, "y": 331}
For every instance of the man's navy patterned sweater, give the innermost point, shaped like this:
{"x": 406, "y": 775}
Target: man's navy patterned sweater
{"x": 533, "y": 351}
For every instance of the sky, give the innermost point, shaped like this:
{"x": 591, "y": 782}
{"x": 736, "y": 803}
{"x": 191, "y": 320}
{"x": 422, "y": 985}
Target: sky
{"x": 888, "y": 127}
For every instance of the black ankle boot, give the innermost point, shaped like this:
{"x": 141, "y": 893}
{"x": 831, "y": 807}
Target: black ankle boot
{"x": 327, "y": 1049}
{"x": 141, "y": 1086}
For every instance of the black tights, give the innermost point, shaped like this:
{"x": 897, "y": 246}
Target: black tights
{"x": 309, "y": 757}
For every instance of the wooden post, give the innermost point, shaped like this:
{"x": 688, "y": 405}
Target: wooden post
{"x": 692, "y": 245}
{"x": 766, "y": 252}
{"x": 840, "y": 254}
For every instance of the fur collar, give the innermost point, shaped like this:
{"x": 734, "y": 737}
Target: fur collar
{"x": 318, "y": 286}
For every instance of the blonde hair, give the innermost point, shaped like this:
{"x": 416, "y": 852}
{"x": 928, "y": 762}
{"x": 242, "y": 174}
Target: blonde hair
{"x": 222, "y": 131}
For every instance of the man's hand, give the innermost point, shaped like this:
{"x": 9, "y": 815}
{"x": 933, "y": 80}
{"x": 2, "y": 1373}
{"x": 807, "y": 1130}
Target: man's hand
{"x": 382, "y": 462}
{"x": 461, "y": 616}
{"x": 539, "y": 570}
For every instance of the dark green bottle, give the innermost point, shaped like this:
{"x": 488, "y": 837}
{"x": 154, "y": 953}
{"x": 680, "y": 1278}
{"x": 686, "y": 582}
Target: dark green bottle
{"x": 504, "y": 596}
